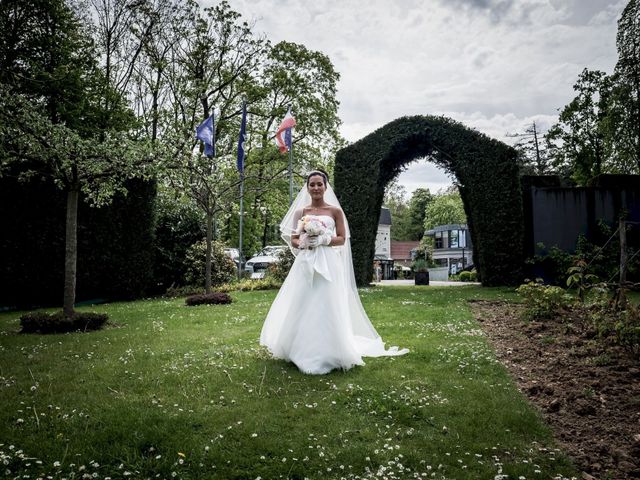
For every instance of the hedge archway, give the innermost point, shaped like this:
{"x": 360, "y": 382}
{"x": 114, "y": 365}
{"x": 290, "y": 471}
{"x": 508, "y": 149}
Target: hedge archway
{"x": 486, "y": 172}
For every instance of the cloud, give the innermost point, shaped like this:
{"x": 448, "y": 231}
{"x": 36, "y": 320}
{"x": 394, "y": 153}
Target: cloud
{"x": 494, "y": 65}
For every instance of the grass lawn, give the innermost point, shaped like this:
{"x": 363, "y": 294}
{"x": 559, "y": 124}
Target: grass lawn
{"x": 187, "y": 392}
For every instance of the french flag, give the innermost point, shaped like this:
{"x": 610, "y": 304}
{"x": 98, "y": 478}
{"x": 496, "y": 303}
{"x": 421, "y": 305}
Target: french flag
{"x": 283, "y": 135}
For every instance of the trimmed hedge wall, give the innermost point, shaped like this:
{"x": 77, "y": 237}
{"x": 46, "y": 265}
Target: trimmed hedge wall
{"x": 115, "y": 244}
{"x": 486, "y": 173}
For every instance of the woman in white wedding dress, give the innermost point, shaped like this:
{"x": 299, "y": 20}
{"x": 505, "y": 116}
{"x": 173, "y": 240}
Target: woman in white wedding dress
{"x": 317, "y": 320}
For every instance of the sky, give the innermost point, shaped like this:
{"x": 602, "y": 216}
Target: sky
{"x": 494, "y": 65}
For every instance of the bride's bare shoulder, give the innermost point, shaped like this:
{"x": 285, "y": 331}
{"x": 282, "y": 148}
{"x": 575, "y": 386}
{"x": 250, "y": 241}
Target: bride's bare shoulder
{"x": 336, "y": 212}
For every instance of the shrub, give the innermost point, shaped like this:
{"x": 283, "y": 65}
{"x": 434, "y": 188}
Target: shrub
{"x": 627, "y": 328}
{"x": 543, "y": 301}
{"x": 280, "y": 269}
{"x": 223, "y": 269}
{"x": 420, "y": 265}
{"x": 42, "y": 322}
{"x": 620, "y": 325}
{"x": 465, "y": 276}
{"x": 179, "y": 225}
{"x": 579, "y": 279}
{"x": 213, "y": 298}
{"x": 249, "y": 285}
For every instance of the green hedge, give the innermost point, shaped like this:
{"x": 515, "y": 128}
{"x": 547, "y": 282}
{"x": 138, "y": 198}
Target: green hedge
{"x": 115, "y": 244}
{"x": 486, "y": 172}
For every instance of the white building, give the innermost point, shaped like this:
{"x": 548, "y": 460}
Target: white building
{"x": 383, "y": 263}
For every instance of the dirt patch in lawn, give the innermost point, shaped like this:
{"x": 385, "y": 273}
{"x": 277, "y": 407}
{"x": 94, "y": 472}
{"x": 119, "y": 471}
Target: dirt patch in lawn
{"x": 587, "y": 389}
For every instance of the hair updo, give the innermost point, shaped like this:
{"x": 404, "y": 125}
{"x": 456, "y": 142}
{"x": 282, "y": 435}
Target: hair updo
{"x": 321, "y": 173}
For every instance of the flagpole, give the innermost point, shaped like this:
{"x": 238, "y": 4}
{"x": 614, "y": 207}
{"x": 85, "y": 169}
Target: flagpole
{"x": 240, "y": 164}
{"x": 240, "y": 263}
{"x": 291, "y": 174}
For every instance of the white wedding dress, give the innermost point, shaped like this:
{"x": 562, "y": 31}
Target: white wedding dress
{"x": 317, "y": 320}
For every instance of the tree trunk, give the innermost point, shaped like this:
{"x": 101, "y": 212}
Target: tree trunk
{"x": 265, "y": 230}
{"x": 71, "y": 253}
{"x": 622, "y": 297}
{"x": 207, "y": 268}
{"x": 154, "y": 106}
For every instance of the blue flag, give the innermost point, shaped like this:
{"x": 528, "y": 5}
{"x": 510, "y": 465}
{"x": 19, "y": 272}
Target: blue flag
{"x": 242, "y": 138}
{"x": 206, "y": 133}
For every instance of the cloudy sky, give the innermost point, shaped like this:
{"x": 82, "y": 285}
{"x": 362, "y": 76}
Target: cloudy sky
{"x": 494, "y": 65}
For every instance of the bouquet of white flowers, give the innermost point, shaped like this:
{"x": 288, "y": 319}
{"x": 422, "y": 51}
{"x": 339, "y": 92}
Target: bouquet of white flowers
{"x": 310, "y": 226}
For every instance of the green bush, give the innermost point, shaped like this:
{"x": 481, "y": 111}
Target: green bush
{"x": 179, "y": 225}
{"x": 280, "y": 268}
{"x": 41, "y": 322}
{"x": 627, "y": 328}
{"x": 420, "y": 265}
{"x": 619, "y": 324}
{"x": 223, "y": 269}
{"x": 602, "y": 259}
{"x": 543, "y": 301}
{"x": 248, "y": 284}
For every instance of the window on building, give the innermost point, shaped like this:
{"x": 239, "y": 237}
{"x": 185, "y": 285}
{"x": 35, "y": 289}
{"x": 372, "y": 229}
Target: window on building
{"x": 457, "y": 239}
{"x": 453, "y": 238}
{"x": 462, "y": 238}
{"x": 438, "y": 240}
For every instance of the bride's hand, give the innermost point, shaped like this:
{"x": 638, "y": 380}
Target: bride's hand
{"x": 312, "y": 241}
{"x": 303, "y": 241}
{"x": 316, "y": 241}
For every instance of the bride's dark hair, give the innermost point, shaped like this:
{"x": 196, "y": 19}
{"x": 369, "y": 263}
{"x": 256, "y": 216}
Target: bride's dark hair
{"x": 317, "y": 172}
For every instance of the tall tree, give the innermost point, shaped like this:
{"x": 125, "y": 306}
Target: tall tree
{"x": 418, "y": 205}
{"x": 214, "y": 66}
{"x": 395, "y": 201}
{"x": 52, "y": 113}
{"x": 292, "y": 76}
{"x": 577, "y": 143}
{"x": 445, "y": 209}
{"x": 625, "y": 106}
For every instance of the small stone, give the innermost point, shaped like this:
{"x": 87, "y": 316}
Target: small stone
{"x": 586, "y": 476}
{"x": 554, "y": 406}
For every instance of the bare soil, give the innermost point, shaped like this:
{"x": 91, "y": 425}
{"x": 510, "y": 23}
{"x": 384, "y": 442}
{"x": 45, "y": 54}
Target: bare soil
{"x": 586, "y": 388}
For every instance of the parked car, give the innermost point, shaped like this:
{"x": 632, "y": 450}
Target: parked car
{"x": 258, "y": 264}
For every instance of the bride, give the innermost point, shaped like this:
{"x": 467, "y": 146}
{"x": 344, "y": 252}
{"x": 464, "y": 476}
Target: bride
{"x": 317, "y": 320}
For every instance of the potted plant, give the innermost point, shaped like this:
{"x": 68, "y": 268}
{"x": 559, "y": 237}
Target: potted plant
{"x": 421, "y": 270}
